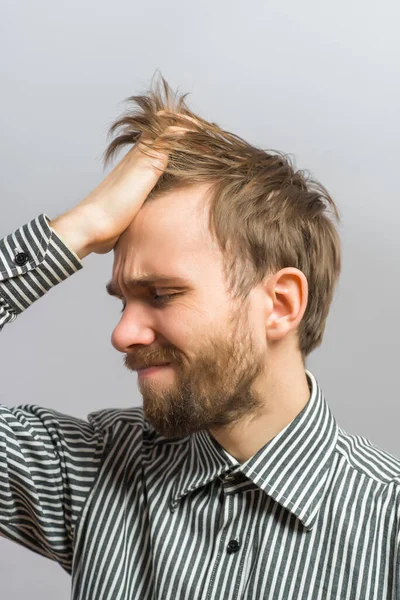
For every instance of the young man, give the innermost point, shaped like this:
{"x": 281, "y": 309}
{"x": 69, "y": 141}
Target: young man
{"x": 234, "y": 479}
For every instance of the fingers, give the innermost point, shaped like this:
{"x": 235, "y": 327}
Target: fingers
{"x": 180, "y": 115}
{"x": 174, "y": 129}
{"x": 146, "y": 142}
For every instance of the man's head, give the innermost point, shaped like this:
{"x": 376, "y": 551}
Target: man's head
{"x": 259, "y": 259}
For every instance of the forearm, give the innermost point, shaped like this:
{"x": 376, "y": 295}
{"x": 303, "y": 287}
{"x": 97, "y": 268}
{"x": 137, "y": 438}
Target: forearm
{"x": 69, "y": 227}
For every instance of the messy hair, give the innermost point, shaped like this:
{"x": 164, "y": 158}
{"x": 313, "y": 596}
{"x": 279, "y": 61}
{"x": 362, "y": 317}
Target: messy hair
{"x": 264, "y": 214}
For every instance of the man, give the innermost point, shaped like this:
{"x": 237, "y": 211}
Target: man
{"x": 234, "y": 479}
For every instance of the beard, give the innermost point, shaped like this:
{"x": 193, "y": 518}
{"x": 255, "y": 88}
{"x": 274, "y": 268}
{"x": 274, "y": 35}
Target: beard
{"x": 215, "y": 390}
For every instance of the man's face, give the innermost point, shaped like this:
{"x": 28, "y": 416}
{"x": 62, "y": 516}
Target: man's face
{"x": 216, "y": 348}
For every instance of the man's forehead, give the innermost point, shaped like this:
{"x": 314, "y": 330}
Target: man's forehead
{"x": 177, "y": 218}
{"x": 171, "y": 231}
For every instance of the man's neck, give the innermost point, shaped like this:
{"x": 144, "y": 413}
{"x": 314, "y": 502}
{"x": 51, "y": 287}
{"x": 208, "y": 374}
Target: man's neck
{"x": 285, "y": 398}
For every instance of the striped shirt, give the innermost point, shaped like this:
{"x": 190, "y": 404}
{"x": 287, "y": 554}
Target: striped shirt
{"x": 314, "y": 514}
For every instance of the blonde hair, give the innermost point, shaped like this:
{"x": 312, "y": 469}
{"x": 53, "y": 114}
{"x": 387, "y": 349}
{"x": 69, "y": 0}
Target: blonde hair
{"x": 264, "y": 214}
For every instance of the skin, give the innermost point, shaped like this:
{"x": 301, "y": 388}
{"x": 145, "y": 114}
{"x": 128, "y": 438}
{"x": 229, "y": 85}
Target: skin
{"x": 235, "y": 370}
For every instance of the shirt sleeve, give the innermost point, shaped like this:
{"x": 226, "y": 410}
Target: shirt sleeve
{"x": 33, "y": 259}
{"x": 49, "y": 463}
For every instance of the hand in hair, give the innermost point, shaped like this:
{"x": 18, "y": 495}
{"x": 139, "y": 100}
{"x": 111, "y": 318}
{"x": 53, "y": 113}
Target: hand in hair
{"x": 96, "y": 223}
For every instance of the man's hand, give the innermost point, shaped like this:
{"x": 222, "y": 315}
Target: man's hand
{"x": 96, "y": 223}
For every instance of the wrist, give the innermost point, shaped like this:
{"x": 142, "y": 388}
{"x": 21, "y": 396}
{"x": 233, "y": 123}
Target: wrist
{"x": 69, "y": 228}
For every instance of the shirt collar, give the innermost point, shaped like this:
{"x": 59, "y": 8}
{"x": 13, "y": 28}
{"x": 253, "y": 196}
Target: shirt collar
{"x": 292, "y": 468}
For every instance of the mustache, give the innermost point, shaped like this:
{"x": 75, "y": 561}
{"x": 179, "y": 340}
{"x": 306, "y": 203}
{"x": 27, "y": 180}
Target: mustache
{"x": 143, "y": 359}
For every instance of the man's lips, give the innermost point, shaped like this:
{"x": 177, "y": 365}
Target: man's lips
{"x": 151, "y": 366}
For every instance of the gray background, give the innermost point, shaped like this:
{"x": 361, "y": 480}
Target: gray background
{"x": 319, "y": 80}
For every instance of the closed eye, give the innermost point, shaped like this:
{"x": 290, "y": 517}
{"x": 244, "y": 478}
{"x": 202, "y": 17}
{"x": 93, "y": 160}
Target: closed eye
{"x": 157, "y": 299}
{"x": 160, "y": 299}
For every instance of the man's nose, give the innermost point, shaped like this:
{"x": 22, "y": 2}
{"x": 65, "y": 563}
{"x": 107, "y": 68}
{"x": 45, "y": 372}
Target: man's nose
{"x": 135, "y": 327}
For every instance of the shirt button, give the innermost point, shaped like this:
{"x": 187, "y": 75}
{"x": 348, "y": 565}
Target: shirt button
{"x": 21, "y": 258}
{"x": 233, "y": 546}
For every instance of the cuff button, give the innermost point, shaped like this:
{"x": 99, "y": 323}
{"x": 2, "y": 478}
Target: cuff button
{"x": 21, "y": 258}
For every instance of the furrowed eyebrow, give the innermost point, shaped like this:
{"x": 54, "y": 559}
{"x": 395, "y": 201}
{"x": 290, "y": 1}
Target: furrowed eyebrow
{"x": 148, "y": 281}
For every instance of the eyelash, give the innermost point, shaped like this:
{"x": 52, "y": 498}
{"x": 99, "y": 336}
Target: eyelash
{"x": 161, "y": 299}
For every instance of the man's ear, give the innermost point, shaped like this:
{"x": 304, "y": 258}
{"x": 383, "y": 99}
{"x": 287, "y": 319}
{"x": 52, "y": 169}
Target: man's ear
{"x": 287, "y": 293}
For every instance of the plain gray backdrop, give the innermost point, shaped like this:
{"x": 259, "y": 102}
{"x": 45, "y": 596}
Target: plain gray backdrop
{"x": 318, "y": 80}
